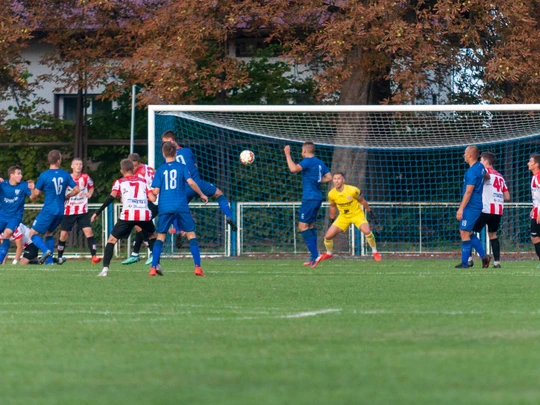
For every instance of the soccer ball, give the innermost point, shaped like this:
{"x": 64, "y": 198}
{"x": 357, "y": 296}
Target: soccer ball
{"x": 247, "y": 157}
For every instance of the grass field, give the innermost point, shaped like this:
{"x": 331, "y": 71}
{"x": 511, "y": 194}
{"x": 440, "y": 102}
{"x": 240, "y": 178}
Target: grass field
{"x": 271, "y": 332}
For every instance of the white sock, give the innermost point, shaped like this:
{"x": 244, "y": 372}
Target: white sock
{"x": 374, "y": 250}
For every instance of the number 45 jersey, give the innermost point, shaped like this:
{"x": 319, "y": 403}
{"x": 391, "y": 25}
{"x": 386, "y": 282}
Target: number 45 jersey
{"x": 134, "y": 192}
{"x": 493, "y": 195}
{"x": 171, "y": 180}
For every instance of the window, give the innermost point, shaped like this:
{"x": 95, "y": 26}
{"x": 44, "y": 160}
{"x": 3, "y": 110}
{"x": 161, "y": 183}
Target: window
{"x": 65, "y": 106}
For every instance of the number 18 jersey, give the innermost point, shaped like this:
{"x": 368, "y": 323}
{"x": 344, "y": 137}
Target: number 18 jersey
{"x": 171, "y": 180}
{"x": 134, "y": 193}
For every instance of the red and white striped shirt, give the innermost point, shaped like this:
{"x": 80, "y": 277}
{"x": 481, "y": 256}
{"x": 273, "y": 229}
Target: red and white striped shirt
{"x": 493, "y": 195}
{"x": 22, "y": 232}
{"x": 535, "y": 189}
{"x": 134, "y": 193}
{"x": 147, "y": 173}
{"x": 78, "y": 204}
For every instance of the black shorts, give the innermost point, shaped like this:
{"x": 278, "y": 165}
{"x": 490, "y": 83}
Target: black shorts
{"x": 122, "y": 229}
{"x": 535, "y": 229}
{"x": 30, "y": 252}
{"x": 153, "y": 209}
{"x": 491, "y": 220}
{"x": 82, "y": 221}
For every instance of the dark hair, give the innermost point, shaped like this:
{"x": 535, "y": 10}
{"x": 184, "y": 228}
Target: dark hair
{"x": 126, "y": 165}
{"x": 54, "y": 157}
{"x": 168, "y": 149}
{"x": 12, "y": 170}
{"x": 169, "y": 135}
{"x": 134, "y": 157}
{"x": 340, "y": 173}
{"x": 536, "y": 158}
{"x": 309, "y": 146}
{"x": 490, "y": 157}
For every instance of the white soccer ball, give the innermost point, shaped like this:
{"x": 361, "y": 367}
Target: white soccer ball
{"x": 247, "y": 157}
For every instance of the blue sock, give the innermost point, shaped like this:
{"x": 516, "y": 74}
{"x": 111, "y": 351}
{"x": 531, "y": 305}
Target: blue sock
{"x": 465, "y": 251}
{"x": 224, "y": 205}
{"x": 49, "y": 241}
{"x": 36, "y": 240}
{"x": 311, "y": 242}
{"x": 4, "y": 247}
{"x": 195, "y": 252}
{"x": 477, "y": 245}
{"x": 156, "y": 252}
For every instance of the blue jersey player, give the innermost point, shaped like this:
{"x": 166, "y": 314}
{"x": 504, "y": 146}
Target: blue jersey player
{"x": 185, "y": 156}
{"x": 53, "y": 183}
{"x": 314, "y": 172}
{"x": 12, "y": 195}
{"x": 471, "y": 207}
{"x": 169, "y": 184}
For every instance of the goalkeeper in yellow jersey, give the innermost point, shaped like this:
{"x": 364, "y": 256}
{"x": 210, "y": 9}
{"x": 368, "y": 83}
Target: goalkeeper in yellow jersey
{"x": 347, "y": 199}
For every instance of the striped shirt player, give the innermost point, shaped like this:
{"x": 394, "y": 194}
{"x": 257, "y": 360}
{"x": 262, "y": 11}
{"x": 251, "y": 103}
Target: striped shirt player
{"x": 494, "y": 195}
{"x": 25, "y": 247}
{"x": 135, "y": 193}
{"x": 76, "y": 212}
{"x": 534, "y": 167}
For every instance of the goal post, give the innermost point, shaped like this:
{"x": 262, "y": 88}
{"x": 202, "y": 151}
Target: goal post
{"x": 407, "y": 160}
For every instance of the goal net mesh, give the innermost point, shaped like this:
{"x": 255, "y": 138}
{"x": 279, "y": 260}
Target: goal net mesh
{"x": 408, "y": 164}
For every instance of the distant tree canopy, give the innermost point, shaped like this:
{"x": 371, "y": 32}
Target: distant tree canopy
{"x": 361, "y": 52}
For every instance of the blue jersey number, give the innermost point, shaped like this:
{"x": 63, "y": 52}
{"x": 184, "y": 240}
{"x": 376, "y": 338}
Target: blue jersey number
{"x": 170, "y": 179}
{"x": 58, "y": 184}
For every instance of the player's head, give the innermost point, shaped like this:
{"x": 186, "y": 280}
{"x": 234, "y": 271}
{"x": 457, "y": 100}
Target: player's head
{"x": 168, "y": 149}
{"x": 338, "y": 179}
{"x": 136, "y": 160}
{"x": 488, "y": 159}
{"x": 126, "y": 166}
{"x": 14, "y": 174}
{"x": 308, "y": 149}
{"x": 534, "y": 163}
{"x": 54, "y": 157}
{"x": 77, "y": 165}
{"x": 471, "y": 153}
{"x": 169, "y": 136}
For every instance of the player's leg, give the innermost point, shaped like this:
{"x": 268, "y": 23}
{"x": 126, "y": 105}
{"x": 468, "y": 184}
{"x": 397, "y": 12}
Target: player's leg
{"x": 308, "y": 217}
{"x": 370, "y": 238}
{"x": 329, "y": 236}
{"x": 84, "y": 223}
{"x": 223, "y": 205}
{"x": 40, "y": 226}
{"x": 535, "y": 237}
{"x": 49, "y": 237}
{"x": 30, "y": 255}
{"x": 164, "y": 222}
{"x": 134, "y": 257}
{"x": 4, "y": 246}
{"x": 469, "y": 240}
{"x": 66, "y": 227}
{"x": 492, "y": 227}
{"x": 120, "y": 230}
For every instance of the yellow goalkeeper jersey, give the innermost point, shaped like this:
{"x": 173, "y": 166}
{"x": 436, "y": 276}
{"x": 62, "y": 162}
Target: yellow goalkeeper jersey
{"x": 346, "y": 200}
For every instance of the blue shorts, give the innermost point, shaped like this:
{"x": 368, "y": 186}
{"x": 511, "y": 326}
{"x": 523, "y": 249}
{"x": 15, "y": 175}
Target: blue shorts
{"x": 470, "y": 216}
{"x": 47, "y": 222}
{"x": 309, "y": 210}
{"x": 208, "y": 190}
{"x": 184, "y": 219}
{"x": 9, "y": 223}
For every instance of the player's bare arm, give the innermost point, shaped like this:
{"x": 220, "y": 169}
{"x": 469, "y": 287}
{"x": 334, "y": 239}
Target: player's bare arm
{"x": 151, "y": 196}
{"x": 464, "y": 201}
{"x": 35, "y": 194}
{"x": 196, "y": 188}
{"x": 327, "y": 178}
{"x": 364, "y": 203}
{"x": 73, "y": 192}
{"x": 332, "y": 212}
{"x": 31, "y": 184}
{"x": 293, "y": 167}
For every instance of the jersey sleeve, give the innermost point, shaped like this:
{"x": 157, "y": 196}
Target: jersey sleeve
{"x": 303, "y": 164}
{"x": 89, "y": 183}
{"x": 156, "y": 183}
{"x": 470, "y": 177}
{"x": 39, "y": 183}
{"x": 70, "y": 182}
{"x": 355, "y": 193}
{"x": 116, "y": 187}
{"x": 27, "y": 191}
{"x": 187, "y": 174}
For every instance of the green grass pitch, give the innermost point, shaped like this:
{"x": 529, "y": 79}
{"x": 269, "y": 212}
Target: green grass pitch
{"x": 271, "y": 332}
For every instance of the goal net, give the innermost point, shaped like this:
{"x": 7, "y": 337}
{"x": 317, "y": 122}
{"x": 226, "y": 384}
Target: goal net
{"x": 407, "y": 160}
